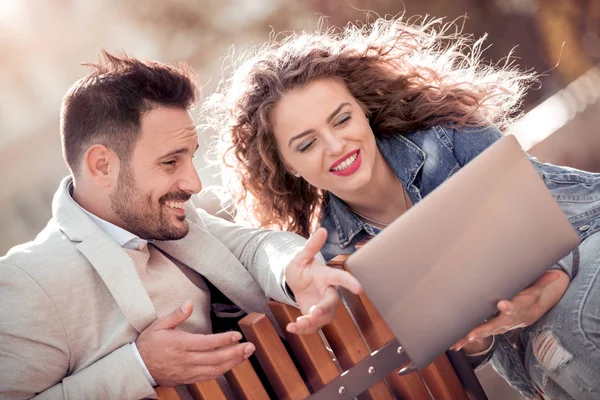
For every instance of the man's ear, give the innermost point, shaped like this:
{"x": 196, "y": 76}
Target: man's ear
{"x": 101, "y": 164}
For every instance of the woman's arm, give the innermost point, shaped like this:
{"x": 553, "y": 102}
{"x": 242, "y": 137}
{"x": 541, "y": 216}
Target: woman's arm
{"x": 523, "y": 310}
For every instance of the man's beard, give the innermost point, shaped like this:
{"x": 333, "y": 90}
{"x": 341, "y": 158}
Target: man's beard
{"x": 141, "y": 215}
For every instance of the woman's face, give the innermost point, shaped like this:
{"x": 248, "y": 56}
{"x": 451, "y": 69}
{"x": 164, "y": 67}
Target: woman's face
{"x": 323, "y": 134}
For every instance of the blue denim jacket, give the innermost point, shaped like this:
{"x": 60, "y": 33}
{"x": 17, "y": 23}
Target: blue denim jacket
{"x": 422, "y": 160}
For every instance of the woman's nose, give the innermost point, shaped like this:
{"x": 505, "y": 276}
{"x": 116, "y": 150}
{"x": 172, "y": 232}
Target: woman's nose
{"x": 335, "y": 144}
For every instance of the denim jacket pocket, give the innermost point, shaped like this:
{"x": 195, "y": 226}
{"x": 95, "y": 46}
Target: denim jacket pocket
{"x": 578, "y": 195}
{"x": 583, "y": 213}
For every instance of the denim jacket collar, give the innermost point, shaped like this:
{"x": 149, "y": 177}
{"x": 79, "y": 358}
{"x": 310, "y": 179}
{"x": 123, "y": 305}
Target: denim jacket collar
{"x": 404, "y": 157}
{"x": 406, "y": 160}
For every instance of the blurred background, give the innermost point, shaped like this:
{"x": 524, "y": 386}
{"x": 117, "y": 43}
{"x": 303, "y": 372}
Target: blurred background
{"x": 42, "y": 44}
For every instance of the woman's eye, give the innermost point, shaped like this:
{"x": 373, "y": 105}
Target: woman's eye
{"x": 302, "y": 147}
{"x": 345, "y": 117}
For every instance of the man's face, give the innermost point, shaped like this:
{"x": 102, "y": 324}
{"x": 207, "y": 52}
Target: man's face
{"x": 159, "y": 177}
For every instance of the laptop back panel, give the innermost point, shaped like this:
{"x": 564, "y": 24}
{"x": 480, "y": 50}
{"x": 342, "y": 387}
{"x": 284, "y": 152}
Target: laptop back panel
{"x": 483, "y": 235}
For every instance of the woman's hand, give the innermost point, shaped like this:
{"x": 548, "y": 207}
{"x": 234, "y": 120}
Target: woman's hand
{"x": 523, "y": 310}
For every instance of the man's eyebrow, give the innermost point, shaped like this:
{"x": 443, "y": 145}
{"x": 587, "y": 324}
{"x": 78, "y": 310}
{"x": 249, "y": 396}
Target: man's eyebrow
{"x": 308, "y": 131}
{"x": 183, "y": 150}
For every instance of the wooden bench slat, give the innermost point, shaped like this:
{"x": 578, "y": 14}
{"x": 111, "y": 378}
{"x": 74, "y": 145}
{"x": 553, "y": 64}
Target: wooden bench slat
{"x": 349, "y": 348}
{"x": 442, "y": 380}
{"x": 273, "y": 357}
{"x": 167, "y": 393}
{"x": 207, "y": 390}
{"x": 245, "y": 384}
{"x": 310, "y": 350}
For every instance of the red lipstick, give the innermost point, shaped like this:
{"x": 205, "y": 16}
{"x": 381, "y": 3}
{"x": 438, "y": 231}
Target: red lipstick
{"x": 349, "y": 170}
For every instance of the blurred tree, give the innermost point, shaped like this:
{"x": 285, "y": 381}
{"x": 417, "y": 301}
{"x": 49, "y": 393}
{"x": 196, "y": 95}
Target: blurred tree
{"x": 199, "y": 32}
{"x": 565, "y": 25}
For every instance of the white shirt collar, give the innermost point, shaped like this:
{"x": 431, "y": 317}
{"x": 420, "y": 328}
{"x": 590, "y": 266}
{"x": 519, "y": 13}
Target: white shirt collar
{"x": 121, "y": 236}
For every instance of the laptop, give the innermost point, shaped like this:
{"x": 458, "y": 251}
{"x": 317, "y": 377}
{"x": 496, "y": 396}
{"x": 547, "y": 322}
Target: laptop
{"x": 484, "y": 235}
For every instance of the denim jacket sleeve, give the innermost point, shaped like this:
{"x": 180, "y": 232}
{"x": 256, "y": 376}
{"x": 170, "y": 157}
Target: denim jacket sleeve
{"x": 469, "y": 142}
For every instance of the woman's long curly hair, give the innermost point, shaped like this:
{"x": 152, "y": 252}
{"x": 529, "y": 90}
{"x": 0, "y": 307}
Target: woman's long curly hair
{"x": 406, "y": 75}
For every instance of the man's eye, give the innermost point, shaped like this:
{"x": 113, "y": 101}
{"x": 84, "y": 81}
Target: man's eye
{"x": 171, "y": 163}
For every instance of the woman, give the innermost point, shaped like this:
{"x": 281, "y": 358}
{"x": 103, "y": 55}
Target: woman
{"x": 347, "y": 129}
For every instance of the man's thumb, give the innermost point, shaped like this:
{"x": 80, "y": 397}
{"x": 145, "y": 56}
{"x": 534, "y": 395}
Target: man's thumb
{"x": 175, "y": 318}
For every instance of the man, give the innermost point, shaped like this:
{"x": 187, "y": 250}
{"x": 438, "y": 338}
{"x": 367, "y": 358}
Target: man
{"x": 113, "y": 297}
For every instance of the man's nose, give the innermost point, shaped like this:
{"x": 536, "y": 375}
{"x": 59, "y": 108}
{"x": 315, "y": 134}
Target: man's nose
{"x": 191, "y": 182}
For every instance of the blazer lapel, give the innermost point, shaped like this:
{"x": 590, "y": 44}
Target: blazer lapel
{"x": 108, "y": 258}
{"x": 204, "y": 253}
{"x": 118, "y": 272}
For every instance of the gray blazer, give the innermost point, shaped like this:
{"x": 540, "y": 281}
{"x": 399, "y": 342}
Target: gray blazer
{"x": 71, "y": 301}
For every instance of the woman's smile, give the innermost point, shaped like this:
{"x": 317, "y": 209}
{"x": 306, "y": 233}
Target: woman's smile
{"x": 347, "y": 165}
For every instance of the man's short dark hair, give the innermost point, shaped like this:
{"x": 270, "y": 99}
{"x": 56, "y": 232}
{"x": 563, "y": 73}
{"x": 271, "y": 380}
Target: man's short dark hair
{"x": 106, "y": 106}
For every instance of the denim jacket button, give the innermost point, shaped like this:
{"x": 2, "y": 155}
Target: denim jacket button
{"x": 584, "y": 228}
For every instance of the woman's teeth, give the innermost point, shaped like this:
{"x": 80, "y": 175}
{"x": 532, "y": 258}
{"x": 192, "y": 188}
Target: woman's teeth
{"x": 174, "y": 204}
{"x": 346, "y": 163}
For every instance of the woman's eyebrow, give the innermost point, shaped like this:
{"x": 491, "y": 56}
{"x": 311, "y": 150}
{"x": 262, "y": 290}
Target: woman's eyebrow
{"x": 306, "y": 132}
{"x": 300, "y": 135}
{"x": 337, "y": 110}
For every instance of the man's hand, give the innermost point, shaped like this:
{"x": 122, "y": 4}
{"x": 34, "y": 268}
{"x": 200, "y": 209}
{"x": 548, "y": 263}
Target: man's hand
{"x": 524, "y": 309}
{"x": 314, "y": 286}
{"x": 175, "y": 358}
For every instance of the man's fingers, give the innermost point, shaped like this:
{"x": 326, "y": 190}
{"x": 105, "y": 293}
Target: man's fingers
{"x": 222, "y": 355}
{"x": 175, "y": 318}
{"x": 338, "y": 277}
{"x": 304, "y": 325}
{"x": 327, "y": 305}
{"x": 312, "y": 246}
{"x": 207, "y": 372}
{"x": 319, "y": 315}
{"x": 212, "y": 341}
{"x": 299, "y": 327}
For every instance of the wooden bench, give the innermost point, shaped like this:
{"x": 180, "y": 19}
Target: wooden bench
{"x": 354, "y": 356}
